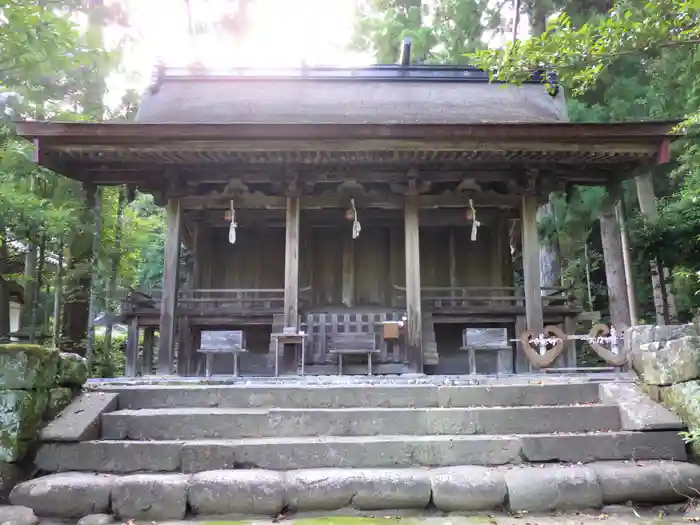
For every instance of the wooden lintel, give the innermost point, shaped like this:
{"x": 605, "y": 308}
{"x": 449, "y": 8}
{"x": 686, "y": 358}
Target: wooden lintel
{"x": 368, "y": 200}
{"x": 256, "y": 218}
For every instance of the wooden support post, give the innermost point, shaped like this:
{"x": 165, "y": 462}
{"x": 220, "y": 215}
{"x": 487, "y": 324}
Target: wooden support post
{"x": 291, "y": 264}
{"x": 171, "y": 271}
{"x": 149, "y": 334}
{"x": 348, "y": 271}
{"x": 132, "y": 348}
{"x": 614, "y": 261}
{"x": 531, "y": 265}
{"x": 414, "y": 339}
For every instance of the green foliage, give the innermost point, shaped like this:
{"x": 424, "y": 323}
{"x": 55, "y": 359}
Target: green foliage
{"x": 108, "y": 362}
{"x": 453, "y": 28}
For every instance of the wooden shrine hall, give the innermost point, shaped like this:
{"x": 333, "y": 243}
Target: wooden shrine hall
{"x": 372, "y": 214}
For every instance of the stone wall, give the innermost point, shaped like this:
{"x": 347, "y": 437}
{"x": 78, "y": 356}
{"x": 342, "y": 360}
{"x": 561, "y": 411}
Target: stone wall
{"x": 36, "y": 384}
{"x": 667, "y": 360}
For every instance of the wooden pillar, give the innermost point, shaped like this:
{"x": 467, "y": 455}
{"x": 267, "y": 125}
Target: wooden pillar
{"x": 614, "y": 261}
{"x": 148, "y": 343}
{"x": 414, "y": 332}
{"x": 531, "y": 265}
{"x": 168, "y": 304}
{"x": 348, "y": 271}
{"x": 132, "y": 348}
{"x": 291, "y": 264}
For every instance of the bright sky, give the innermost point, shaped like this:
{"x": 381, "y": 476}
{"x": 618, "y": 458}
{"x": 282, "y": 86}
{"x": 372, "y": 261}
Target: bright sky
{"x": 282, "y": 33}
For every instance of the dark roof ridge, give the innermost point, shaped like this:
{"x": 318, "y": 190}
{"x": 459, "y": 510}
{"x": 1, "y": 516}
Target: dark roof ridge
{"x": 378, "y": 72}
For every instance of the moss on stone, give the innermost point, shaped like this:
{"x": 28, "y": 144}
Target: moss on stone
{"x": 21, "y": 416}
{"x": 72, "y": 370}
{"x": 684, "y": 400}
{"x": 59, "y": 398}
{"x": 352, "y": 520}
{"x": 27, "y": 367}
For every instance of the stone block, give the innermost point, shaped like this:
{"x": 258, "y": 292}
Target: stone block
{"x": 684, "y": 400}
{"x": 16, "y": 515}
{"x": 671, "y": 362}
{"x": 636, "y": 337}
{"x": 321, "y": 489}
{"x": 96, "y": 519}
{"x": 250, "y": 491}
{"x": 405, "y": 488}
{"x": 637, "y": 411}
{"x": 59, "y": 399}
{"x": 66, "y": 495}
{"x": 27, "y": 367}
{"x": 81, "y": 420}
{"x": 350, "y": 452}
{"x": 150, "y": 496}
{"x": 468, "y": 488}
{"x": 603, "y": 446}
{"x": 72, "y": 370}
{"x": 648, "y": 482}
{"x": 10, "y": 475}
{"x": 517, "y": 395}
{"x": 21, "y": 416}
{"x": 552, "y": 488}
{"x": 119, "y": 457}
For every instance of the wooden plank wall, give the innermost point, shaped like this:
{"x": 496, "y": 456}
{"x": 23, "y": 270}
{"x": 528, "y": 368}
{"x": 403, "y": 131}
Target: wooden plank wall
{"x": 377, "y": 261}
{"x": 256, "y": 260}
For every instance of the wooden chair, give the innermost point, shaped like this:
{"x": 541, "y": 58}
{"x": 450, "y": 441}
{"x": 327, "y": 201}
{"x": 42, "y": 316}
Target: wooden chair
{"x": 353, "y": 343}
{"x": 222, "y": 342}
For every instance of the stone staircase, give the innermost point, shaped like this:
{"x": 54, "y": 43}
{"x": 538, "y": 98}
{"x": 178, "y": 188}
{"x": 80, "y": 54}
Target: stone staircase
{"x": 262, "y": 448}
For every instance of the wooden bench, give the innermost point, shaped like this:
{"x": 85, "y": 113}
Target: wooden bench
{"x": 353, "y": 343}
{"x": 222, "y": 342}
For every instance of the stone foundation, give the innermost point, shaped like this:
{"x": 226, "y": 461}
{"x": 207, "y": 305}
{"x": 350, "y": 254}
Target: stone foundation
{"x": 36, "y": 384}
{"x": 667, "y": 360}
{"x": 254, "y": 492}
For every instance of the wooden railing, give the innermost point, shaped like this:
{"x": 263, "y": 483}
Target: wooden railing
{"x": 210, "y": 301}
{"x": 439, "y": 297}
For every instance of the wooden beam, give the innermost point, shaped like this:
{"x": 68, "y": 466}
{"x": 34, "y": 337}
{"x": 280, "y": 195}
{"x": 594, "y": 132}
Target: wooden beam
{"x": 291, "y": 263}
{"x": 531, "y": 265}
{"x": 414, "y": 340}
{"x": 170, "y": 285}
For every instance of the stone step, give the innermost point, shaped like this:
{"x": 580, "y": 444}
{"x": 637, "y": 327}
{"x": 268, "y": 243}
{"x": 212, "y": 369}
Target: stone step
{"x": 351, "y": 395}
{"x": 233, "y": 423}
{"x": 356, "y": 452}
{"x": 535, "y": 488}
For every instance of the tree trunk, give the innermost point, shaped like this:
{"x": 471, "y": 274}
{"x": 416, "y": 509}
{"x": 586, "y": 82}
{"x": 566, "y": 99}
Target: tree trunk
{"x": 58, "y": 297}
{"x": 37, "y": 291}
{"x": 94, "y": 279}
{"x": 114, "y": 270}
{"x": 664, "y": 300}
{"x": 550, "y": 267}
{"x": 4, "y": 288}
{"x": 614, "y": 265}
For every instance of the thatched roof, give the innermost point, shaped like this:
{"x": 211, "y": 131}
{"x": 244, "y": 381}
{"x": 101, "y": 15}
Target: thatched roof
{"x": 418, "y": 95}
